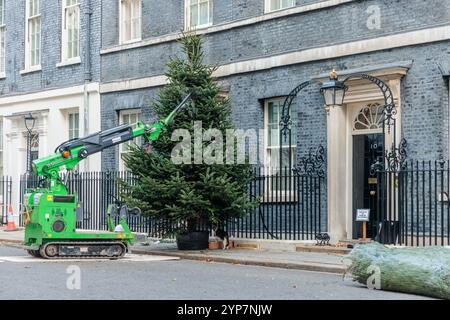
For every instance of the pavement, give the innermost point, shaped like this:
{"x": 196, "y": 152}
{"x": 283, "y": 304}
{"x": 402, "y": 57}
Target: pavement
{"x": 308, "y": 261}
{"x": 143, "y": 277}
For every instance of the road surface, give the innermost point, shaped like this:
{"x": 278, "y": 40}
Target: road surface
{"x": 147, "y": 277}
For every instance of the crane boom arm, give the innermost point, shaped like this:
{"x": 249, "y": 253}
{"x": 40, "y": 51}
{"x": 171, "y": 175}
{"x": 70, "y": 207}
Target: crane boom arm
{"x": 69, "y": 154}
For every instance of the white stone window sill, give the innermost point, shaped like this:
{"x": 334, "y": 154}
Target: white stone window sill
{"x": 203, "y": 26}
{"x": 70, "y": 62}
{"x": 2, "y": 75}
{"x": 268, "y": 11}
{"x": 279, "y": 197}
{"x": 125, "y": 42}
{"x": 31, "y": 69}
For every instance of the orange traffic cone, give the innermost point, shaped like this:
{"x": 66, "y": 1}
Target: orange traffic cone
{"x": 11, "y": 224}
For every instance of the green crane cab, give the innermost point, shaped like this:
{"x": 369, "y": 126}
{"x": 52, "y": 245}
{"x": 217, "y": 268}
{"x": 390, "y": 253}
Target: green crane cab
{"x": 51, "y": 211}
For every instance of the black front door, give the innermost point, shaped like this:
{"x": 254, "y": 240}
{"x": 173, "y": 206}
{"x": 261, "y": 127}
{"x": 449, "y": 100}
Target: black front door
{"x": 367, "y": 149}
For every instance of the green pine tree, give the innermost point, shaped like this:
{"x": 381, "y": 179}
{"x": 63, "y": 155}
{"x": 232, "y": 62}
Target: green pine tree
{"x": 189, "y": 194}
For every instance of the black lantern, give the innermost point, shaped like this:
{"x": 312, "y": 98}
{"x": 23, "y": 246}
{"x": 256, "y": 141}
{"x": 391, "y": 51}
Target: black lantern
{"x": 334, "y": 90}
{"x": 29, "y": 124}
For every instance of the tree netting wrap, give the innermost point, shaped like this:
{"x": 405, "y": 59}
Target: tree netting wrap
{"x": 423, "y": 271}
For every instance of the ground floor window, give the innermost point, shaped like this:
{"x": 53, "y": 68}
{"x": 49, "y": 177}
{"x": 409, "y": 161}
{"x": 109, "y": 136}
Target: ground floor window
{"x": 131, "y": 117}
{"x": 273, "y": 164}
{"x": 74, "y": 125}
{"x": 273, "y": 113}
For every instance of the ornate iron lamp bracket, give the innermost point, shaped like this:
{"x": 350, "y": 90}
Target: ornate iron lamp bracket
{"x": 389, "y": 105}
{"x": 312, "y": 164}
{"x": 285, "y": 121}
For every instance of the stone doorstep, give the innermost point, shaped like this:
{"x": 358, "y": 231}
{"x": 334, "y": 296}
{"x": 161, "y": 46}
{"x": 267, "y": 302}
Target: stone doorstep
{"x": 268, "y": 244}
{"x": 324, "y": 249}
{"x": 289, "y": 246}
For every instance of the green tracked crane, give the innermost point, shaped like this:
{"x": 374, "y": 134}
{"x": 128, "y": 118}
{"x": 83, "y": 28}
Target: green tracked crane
{"x": 51, "y": 212}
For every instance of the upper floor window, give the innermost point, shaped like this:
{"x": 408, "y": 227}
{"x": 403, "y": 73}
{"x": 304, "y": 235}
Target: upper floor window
{"x": 71, "y": 30}
{"x": 198, "y": 13}
{"x": 2, "y": 38}
{"x": 130, "y": 20}
{"x": 33, "y": 32}
{"x": 274, "y": 5}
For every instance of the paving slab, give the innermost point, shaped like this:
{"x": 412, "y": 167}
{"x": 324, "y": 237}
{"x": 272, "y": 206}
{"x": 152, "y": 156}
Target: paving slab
{"x": 311, "y": 261}
{"x": 323, "y": 262}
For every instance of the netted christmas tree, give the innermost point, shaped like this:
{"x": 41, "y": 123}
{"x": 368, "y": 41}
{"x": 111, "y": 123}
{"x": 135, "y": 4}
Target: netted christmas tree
{"x": 192, "y": 194}
{"x": 424, "y": 271}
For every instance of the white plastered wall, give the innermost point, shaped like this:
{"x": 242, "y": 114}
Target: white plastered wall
{"x": 50, "y": 108}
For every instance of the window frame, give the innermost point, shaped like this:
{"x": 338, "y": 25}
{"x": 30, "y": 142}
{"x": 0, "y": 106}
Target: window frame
{"x": 268, "y": 10}
{"x": 187, "y": 15}
{"x": 28, "y": 41}
{"x": 69, "y": 114}
{"x": 122, "y": 39}
{"x": 2, "y": 168}
{"x": 65, "y": 32}
{"x": 276, "y": 195}
{"x": 122, "y": 113}
{"x": 3, "y": 41}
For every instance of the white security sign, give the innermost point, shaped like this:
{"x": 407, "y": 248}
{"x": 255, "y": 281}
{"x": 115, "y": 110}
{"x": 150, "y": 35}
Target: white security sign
{"x": 362, "y": 215}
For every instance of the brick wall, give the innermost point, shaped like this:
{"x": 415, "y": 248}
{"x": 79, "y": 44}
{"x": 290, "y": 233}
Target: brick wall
{"x": 51, "y": 76}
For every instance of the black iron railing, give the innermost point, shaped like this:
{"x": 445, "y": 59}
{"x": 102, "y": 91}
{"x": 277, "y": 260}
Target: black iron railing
{"x": 292, "y": 204}
{"x": 413, "y": 204}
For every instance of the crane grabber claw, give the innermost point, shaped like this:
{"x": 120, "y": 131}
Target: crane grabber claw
{"x": 180, "y": 107}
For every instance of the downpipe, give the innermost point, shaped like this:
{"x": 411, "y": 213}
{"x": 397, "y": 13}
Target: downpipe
{"x": 87, "y": 73}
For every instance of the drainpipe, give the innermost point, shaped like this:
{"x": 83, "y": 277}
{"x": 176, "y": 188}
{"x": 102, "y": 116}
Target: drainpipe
{"x": 87, "y": 71}
{"x": 447, "y": 79}
{"x": 444, "y": 68}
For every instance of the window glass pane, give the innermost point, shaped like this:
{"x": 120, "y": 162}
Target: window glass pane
{"x": 131, "y": 118}
{"x": 131, "y": 20}
{"x": 2, "y": 11}
{"x": 74, "y": 125}
{"x": 136, "y": 19}
{"x": 1, "y": 134}
{"x": 204, "y": 13}
{"x": 280, "y": 4}
{"x": 33, "y": 7}
{"x": 34, "y": 31}
{"x": 275, "y": 157}
{"x": 72, "y": 30}
{"x": 34, "y": 150}
{"x": 274, "y": 112}
{"x": 194, "y": 15}
{"x": 2, "y": 49}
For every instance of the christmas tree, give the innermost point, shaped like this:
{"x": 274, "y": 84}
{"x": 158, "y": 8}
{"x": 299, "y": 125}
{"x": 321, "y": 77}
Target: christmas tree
{"x": 194, "y": 193}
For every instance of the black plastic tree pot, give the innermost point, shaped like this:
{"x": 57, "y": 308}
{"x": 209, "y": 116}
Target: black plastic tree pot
{"x": 194, "y": 240}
